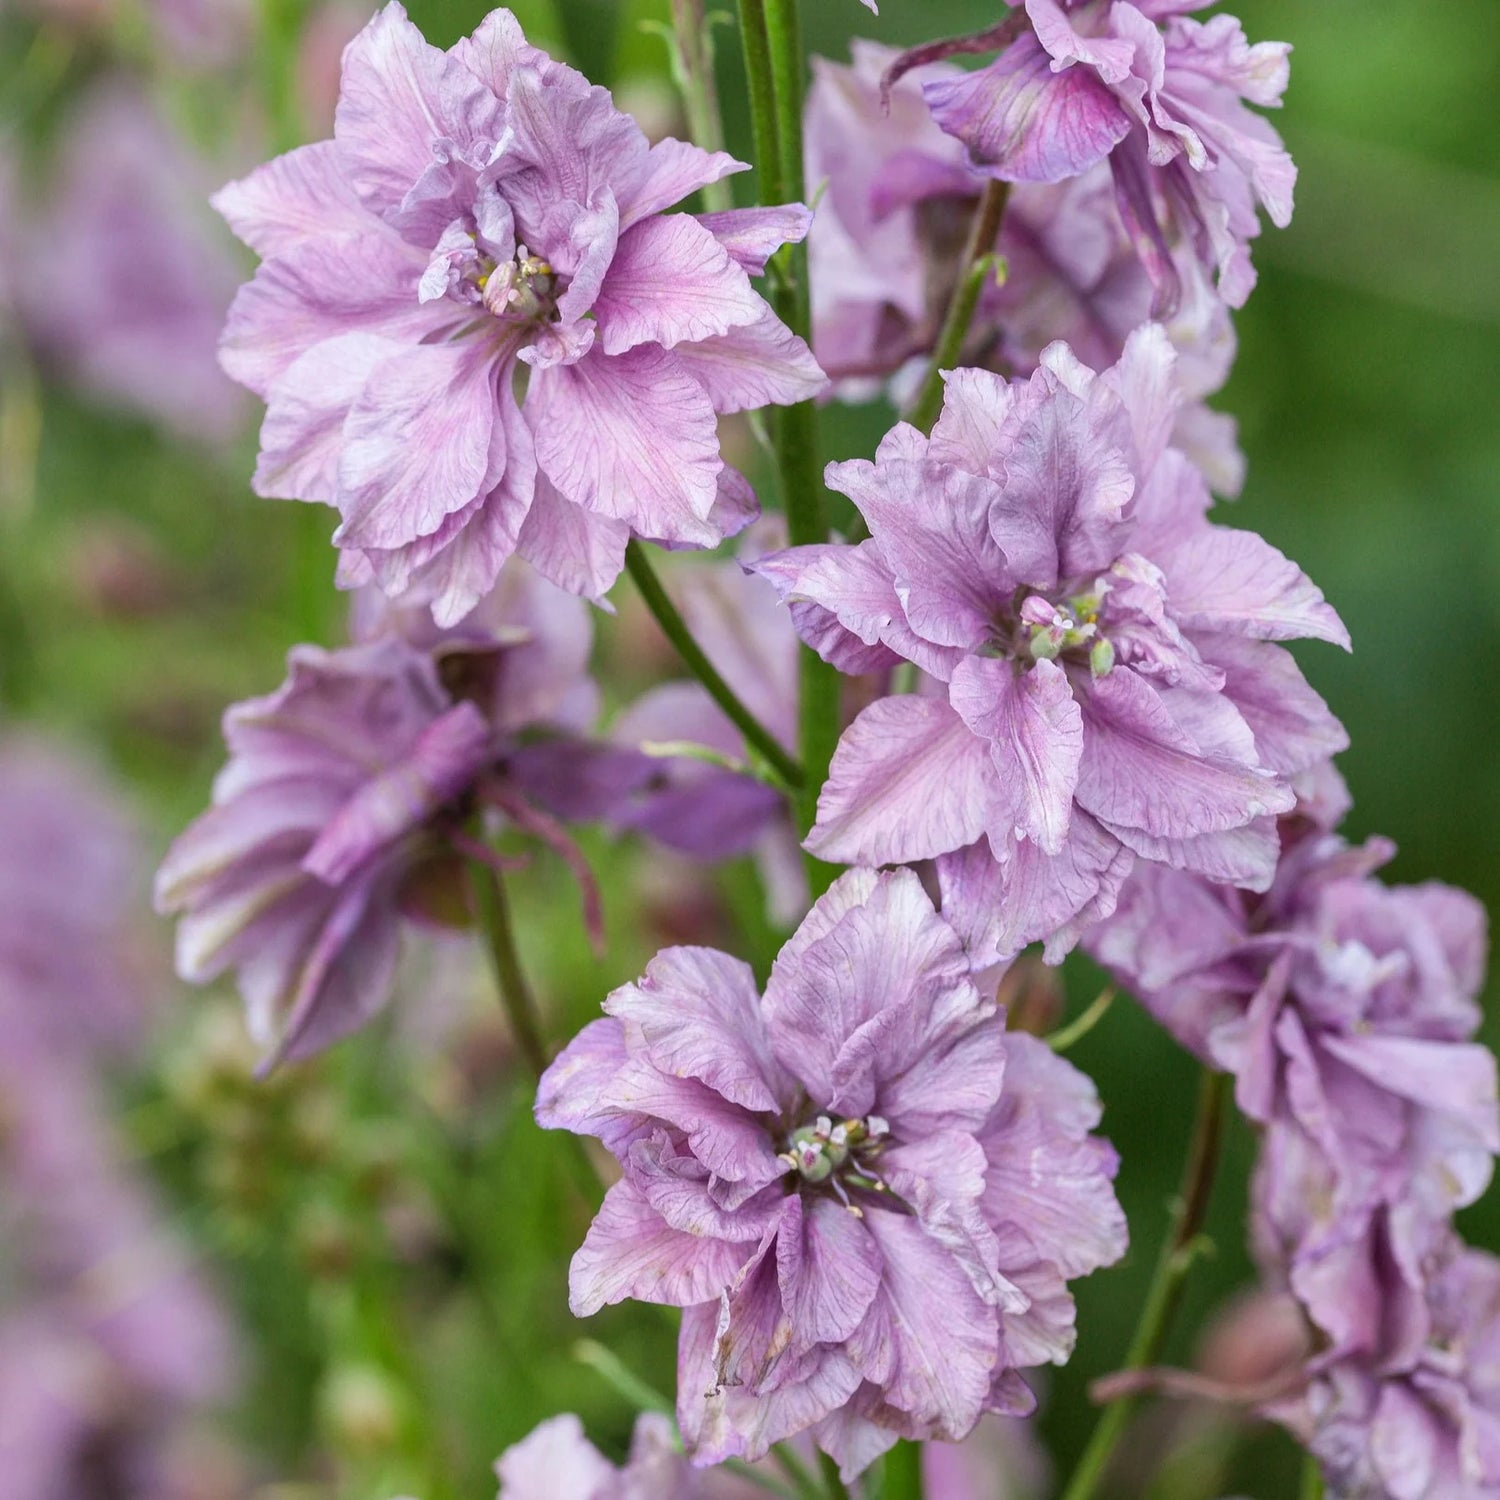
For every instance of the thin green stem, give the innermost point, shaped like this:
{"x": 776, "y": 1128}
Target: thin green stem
{"x": 792, "y": 1464}
{"x": 674, "y": 627}
{"x": 978, "y": 258}
{"x": 758, "y": 73}
{"x": 1167, "y": 1281}
{"x": 1075, "y": 1031}
{"x": 492, "y": 912}
{"x": 700, "y": 91}
{"x": 903, "y": 1472}
{"x": 1312, "y": 1480}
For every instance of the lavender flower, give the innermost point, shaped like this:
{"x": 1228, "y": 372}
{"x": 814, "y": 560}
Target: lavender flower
{"x": 1160, "y": 96}
{"x": 1406, "y": 1426}
{"x": 343, "y": 805}
{"x": 867, "y": 1197}
{"x": 482, "y": 215}
{"x": 885, "y": 247}
{"x": 1341, "y": 1005}
{"x": 1102, "y": 684}
{"x": 134, "y": 323}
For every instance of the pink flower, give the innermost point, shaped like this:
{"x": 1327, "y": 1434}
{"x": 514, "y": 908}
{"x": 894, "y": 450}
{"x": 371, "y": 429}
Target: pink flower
{"x": 1160, "y": 96}
{"x": 865, "y": 1194}
{"x": 484, "y": 220}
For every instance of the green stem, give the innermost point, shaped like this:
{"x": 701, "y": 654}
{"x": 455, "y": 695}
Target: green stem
{"x": 792, "y": 1464}
{"x": 674, "y": 627}
{"x": 977, "y": 260}
{"x": 758, "y": 73}
{"x": 492, "y": 912}
{"x": 700, "y": 91}
{"x": 1167, "y": 1281}
{"x": 1312, "y": 1480}
{"x": 903, "y": 1472}
{"x": 1075, "y": 1031}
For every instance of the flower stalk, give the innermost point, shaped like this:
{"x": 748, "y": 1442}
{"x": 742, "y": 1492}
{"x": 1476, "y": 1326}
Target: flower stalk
{"x": 492, "y": 913}
{"x": 674, "y": 627}
{"x": 903, "y": 1472}
{"x": 976, "y": 268}
{"x": 1167, "y": 1281}
{"x": 693, "y": 66}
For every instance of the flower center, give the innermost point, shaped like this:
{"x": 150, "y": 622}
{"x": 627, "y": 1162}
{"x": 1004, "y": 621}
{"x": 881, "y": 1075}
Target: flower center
{"x": 839, "y": 1155}
{"x": 523, "y": 290}
{"x": 1051, "y": 629}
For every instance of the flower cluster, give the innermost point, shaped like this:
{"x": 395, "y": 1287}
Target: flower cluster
{"x": 1345, "y": 1011}
{"x": 867, "y": 1197}
{"x": 1069, "y": 716}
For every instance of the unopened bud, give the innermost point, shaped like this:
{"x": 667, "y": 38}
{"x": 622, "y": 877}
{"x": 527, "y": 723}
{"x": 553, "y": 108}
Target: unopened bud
{"x": 1101, "y": 658}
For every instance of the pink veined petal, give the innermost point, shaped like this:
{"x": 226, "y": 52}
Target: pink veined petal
{"x": 629, "y": 1252}
{"x": 761, "y": 363}
{"x": 630, "y": 436}
{"x": 1236, "y": 581}
{"x": 296, "y": 197}
{"x": 909, "y": 780}
{"x": 971, "y": 430}
{"x": 575, "y": 548}
{"x": 398, "y": 96}
{"x": 1244, "y": 857}
{"x": 318, "y": 290}
{"x": 828, "y": 1268}
{"x": 699, "y": 1016}
{"x": 1035, "y": 730}
{"x": 753, "y": 235}
{"x": 1110, "y": 56}
{"x": 1147, "y": 382}
{"x": 1139, "y": 769}
{"x": 302, "y": 437}
{"x": 933, "y": 528}
{"x": 464, "y": 571}
{"x": 671, "y": 282}
{"x": 942, "y": 1337}
{"x": 671, "y": 171}
{"x": 1026, "y": 123}
{"x": 417, "y": 444}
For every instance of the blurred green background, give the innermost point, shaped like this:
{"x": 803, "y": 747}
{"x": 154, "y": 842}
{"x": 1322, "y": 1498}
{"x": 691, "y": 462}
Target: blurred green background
{"x": 142, "y": 588}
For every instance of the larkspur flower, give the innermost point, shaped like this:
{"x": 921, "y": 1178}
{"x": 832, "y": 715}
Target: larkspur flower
{"x": 1102, "y": 684}
{"x": 134, "y": 325}
{"x": 345, "y": 800}
{"x": 485, "y": 218}
{"x": 1408, "y": 1424}
{"x": 898, "y": 195}
{"x": 865, "y": 1194}
{"x": 1341, "y": 1005}
{"x": 1160, "y": 96}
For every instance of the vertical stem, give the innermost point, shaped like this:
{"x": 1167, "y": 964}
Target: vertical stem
{"x": 492, "y": 912}
{"x": 1311, "y": 1487}
{"x": 974, "y": 270}
{"x": 757, "y": 45}
{"x": 1167, "y": 1280}
{"x": 674, "y": 627}
{"x": 794, "y": 429}
{"x": 700, "y": 90}
{"x": 903, "y": 1472}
